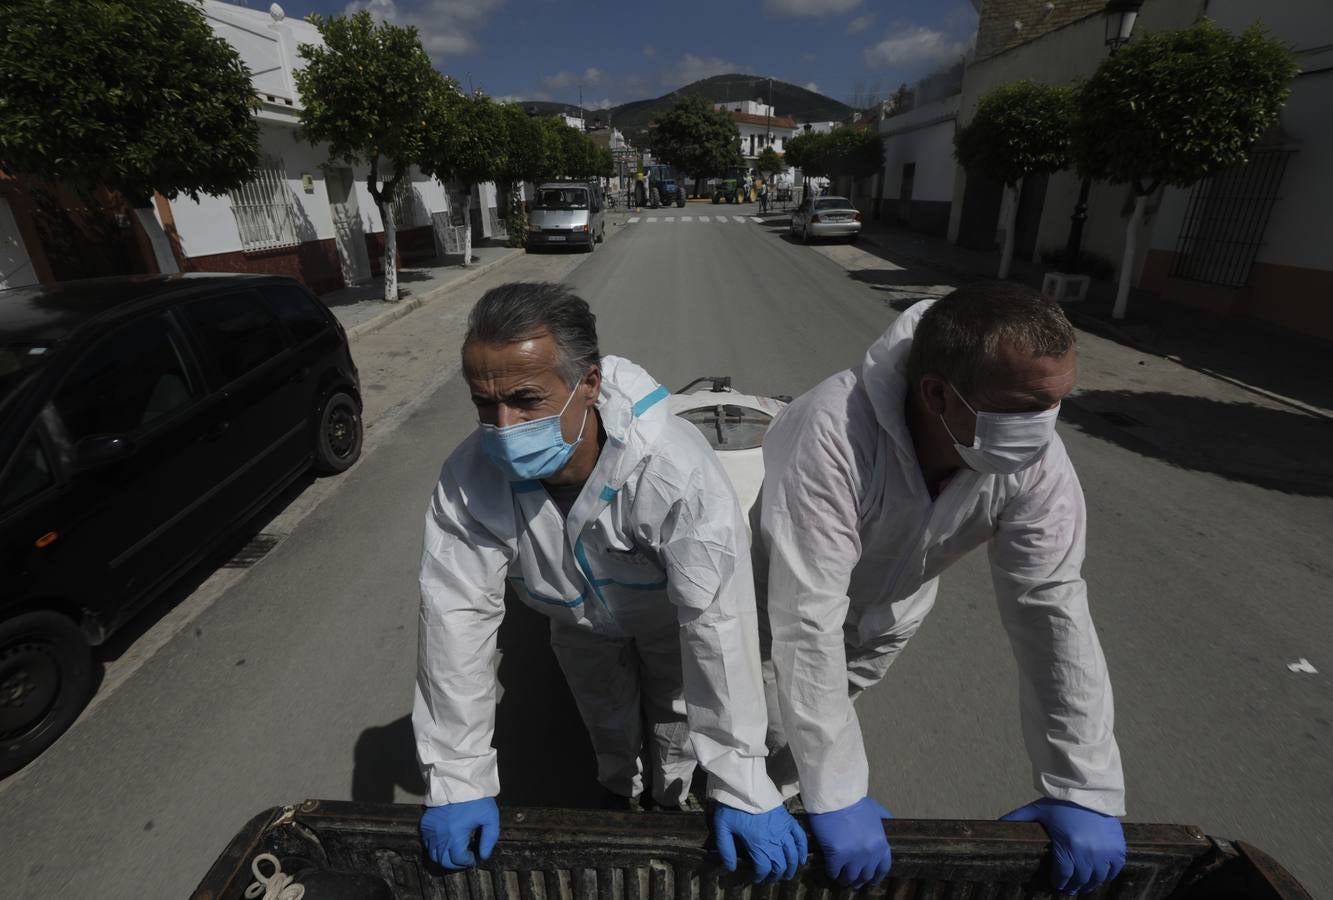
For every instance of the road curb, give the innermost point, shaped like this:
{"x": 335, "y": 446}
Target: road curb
{"x": 403, "y": 307}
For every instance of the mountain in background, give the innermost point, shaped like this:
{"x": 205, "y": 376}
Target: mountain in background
{"x": 632, "y": 118}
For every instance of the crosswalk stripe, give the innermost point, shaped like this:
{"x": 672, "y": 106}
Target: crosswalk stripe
{"x": 687, "y": 218}
{"x": 652, "y": 218}
{"x": 740, "y": 219}
{"x": 703, "y": 218}
{"x": 756, "y": 220}
{"x": 669, "y": 219}
{"x": 633, "y": 219}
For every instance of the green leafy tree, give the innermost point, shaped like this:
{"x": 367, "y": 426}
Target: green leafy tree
{"x": 855, "y": 153}
{"x": 1019, "y": 129}
{"x": 468, "y": 146}
{"x": 577, "y": 153}
{"x": 135, "y": 95}
{"x": 1172, "y": 108}
{"x": 367, "y": 93}
{"x": 809, "y": 152}
{"x": 696, "y": 139}
{"x": 769, "y": 162}
{"x": 524, "y": 160}
{"x": 553, "y": 147}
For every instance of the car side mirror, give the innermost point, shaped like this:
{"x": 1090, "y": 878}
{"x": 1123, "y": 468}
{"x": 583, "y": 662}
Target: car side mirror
{"x": 100, "y": 450}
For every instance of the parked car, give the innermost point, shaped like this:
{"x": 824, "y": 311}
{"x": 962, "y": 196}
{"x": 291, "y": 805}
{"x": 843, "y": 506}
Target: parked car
{"x": 826, "y": 217}
{"x": 565, "y": 214}
{"x": 142, "y": 420}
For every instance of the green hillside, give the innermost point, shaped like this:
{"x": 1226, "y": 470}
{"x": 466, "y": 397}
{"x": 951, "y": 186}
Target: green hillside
{"x": 632, "y": 118}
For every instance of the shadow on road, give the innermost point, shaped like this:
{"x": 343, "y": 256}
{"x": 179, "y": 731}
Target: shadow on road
{"x": 1272, "y": 448}
{"x": 385, "y": 758}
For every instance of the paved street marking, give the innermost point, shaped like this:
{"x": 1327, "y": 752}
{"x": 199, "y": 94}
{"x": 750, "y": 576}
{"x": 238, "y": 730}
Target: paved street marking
{"x": 756, "y": 220}
{"x": 652, "y": 218}
{"x": 687, "y": 218}
{"x": 633, "y": 219}
{"x": 703, "y": 218}
{"x": 740, "y": 219}
{"x": 669, "y": 219}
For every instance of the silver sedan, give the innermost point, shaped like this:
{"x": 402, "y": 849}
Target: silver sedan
{"x": 825, "y": 217}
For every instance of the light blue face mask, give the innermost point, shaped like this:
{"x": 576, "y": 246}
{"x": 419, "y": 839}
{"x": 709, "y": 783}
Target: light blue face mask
{"x": 530, "y": 450}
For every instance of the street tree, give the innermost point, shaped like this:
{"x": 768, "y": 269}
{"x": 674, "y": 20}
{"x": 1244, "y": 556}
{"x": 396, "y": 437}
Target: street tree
{"x": 696, "y": 139}
{"x": 524, "y": 160}
{"x": 1020, "y": 129}
{"x": 467, "y": 146}
{"x": 769, "y": 163}
{"x": 1175, "y": 107}
{"x": 137, "y": 96}
{"x": 553, "y": 147}
{"x": 854, "y": 152}
{"x": 366, "y": 92}
{"x": 809, "y": 152}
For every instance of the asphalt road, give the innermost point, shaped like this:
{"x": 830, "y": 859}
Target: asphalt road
{"x": 296, "y": 680}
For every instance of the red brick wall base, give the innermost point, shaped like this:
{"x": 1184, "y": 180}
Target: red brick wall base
{"x": 313, "y": 263}
{"x": 1294, "y": 298}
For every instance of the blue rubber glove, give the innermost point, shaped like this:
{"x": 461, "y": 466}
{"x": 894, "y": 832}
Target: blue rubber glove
{"x": 1087, "y": 847}
{"x": 855, "y": 849}
{"x": 447, "y": 831}
{"x": 775, "y": 840}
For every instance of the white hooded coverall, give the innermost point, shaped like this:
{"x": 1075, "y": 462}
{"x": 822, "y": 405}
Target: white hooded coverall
{"x": 849, "y": 548}
{"x": 653, "y": 560}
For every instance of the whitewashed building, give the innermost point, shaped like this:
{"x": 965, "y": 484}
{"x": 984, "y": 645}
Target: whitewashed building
{"x": 303, "y": 214}
{"x": 919, "y": 168}
{"x": 759, "y": 126}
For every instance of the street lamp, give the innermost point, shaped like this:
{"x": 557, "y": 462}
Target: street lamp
{"x": 1120, "y": 17}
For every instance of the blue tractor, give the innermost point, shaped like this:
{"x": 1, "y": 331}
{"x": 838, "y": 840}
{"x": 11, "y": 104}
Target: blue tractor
{"x": 663, "y": 187}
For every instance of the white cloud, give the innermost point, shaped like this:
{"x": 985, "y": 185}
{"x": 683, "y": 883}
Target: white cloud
{"x": 913, "y": 46}
{"x": 693, "y": 68}
{"x": 447, "y": 27}
{"x": 650, "y": 51}
{"x": 604, "y": 103}
{"x": 860, "y": 23}
{"x": 811, "y": 86}
{"x": 561, "y": 80}
{"x": 809, "y": 7}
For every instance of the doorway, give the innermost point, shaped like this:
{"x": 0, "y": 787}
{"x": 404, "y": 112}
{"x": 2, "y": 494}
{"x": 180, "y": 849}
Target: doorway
{"x": 348, "y": 231}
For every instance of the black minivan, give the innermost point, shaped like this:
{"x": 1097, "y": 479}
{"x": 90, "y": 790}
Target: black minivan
{"x": 142, "y": 420}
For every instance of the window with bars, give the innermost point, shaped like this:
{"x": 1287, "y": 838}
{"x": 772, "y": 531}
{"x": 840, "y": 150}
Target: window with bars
{"x": 265, "y": 217}
{"x": 1226, "y": 219}
{"x": 405, "y": 205}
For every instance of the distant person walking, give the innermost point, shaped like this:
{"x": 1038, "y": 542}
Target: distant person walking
{"x": 763, "y": 197}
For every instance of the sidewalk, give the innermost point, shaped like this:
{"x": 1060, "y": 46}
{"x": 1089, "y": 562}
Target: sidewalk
{"x": 362, "y": 309}
{"x": 1289, "y": 369}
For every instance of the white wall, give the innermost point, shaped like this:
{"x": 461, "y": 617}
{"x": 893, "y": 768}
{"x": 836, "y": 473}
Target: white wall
{"x": 923, "y": 136}
{"x": 1062, "y": 57}
{"x": 1302, "y": 218}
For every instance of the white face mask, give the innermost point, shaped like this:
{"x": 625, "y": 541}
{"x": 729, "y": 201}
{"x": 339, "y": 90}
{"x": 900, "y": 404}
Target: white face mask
{"x": 1005, "y": 443}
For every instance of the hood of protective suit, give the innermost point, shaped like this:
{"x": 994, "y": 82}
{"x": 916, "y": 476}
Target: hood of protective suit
{"x": 632, "y": 415}
{"x": 884, "y": 375}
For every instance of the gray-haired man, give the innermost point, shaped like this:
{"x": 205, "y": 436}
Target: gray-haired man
{"x": 614, "y": 519}
{"x": 876, "y": 481}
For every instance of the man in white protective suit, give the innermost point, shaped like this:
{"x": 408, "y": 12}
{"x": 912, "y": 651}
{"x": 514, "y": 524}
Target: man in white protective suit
{"x": 875, "y": 482}
{"x": 613, "y": 518}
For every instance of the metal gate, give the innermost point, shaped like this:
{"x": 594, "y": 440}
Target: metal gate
{"x": 1225, "y": 221}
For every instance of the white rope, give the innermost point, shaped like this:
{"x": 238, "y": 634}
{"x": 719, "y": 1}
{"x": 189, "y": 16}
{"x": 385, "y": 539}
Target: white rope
{"x": 272, "y": 887}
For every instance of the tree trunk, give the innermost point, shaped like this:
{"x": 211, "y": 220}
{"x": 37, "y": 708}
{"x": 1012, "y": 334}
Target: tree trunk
{"x": 1127, "y": 263}
{"x": 162, "y": 255}
{"x": 467, "y": 225}
{"x": 390, "y": 254}
{"x": 1012, "y": 192}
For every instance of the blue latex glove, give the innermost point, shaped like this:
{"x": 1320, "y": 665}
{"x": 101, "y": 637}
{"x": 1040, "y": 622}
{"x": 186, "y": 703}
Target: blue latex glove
{"x": 855, "y": 849}
{"x": 447, "y": 831}
{"x": 1087, "y": 847}
{"x": 775, "y": 840}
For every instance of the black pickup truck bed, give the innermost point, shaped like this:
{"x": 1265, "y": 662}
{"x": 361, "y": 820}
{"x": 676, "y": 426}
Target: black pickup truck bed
{"x": 550, "y": 854}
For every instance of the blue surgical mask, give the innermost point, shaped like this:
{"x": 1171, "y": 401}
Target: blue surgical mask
{"x": 528, "y": 450}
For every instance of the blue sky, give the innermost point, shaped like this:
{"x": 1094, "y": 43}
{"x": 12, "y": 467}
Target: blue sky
{"x": 631, "y": 50}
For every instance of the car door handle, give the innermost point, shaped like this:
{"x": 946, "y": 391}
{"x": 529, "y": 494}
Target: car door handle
{"x": 216, "y": 432}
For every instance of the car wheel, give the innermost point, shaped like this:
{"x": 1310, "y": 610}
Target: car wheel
{"x": 46, "y": 675}
{"x": 338, "y": 443}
